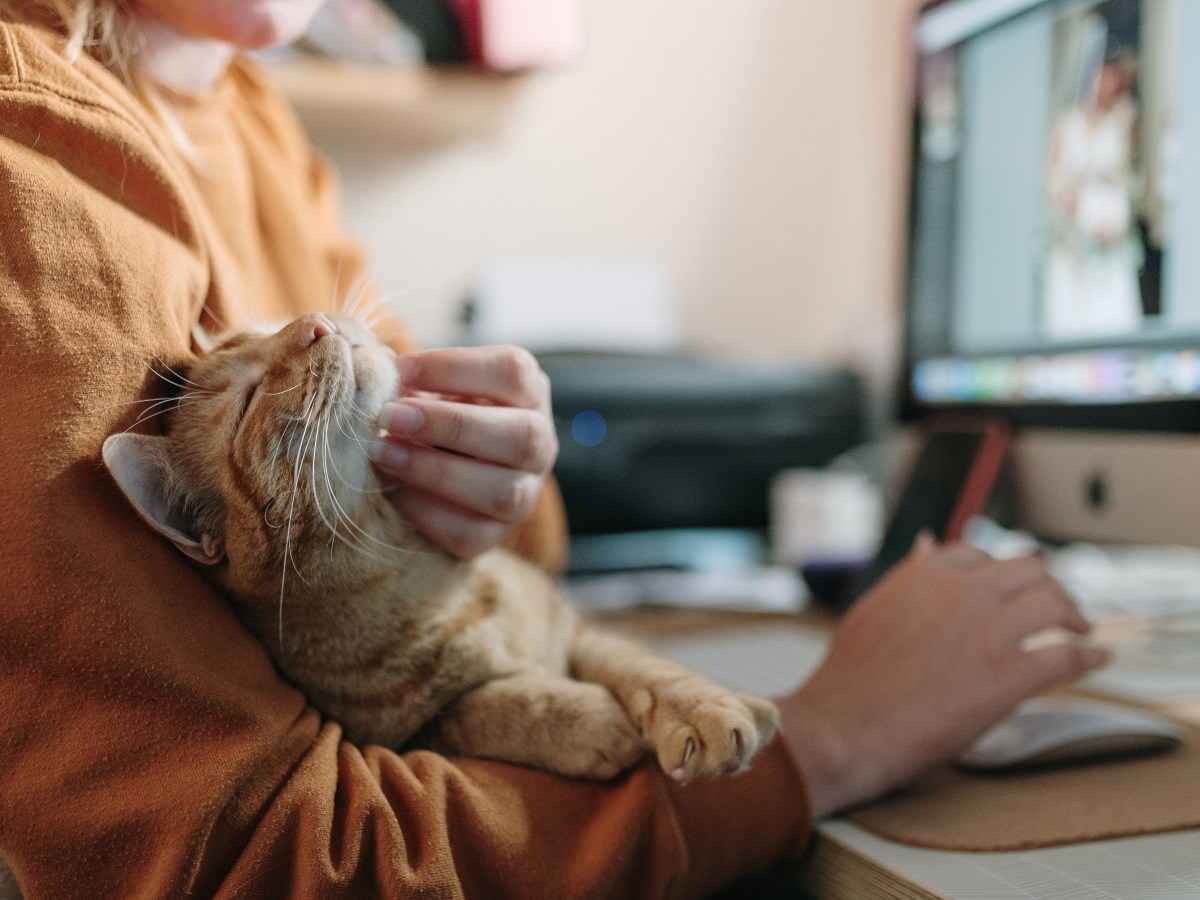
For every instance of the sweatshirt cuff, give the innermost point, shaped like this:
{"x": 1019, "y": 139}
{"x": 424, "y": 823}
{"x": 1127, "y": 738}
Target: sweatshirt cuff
{"x": 743, "y": 823}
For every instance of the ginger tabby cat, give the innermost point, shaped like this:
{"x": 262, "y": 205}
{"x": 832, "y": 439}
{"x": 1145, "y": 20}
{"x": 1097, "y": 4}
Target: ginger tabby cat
{"x": 263, "y": 478}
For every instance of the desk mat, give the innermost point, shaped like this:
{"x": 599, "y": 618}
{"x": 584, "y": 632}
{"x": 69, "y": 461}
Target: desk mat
{"x": 952, "y": 809}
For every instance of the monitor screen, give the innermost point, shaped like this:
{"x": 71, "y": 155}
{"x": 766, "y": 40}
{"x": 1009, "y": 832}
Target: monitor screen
{"x": 1055, "y": 210}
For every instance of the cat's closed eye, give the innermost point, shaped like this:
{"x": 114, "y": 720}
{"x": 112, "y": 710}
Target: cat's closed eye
{"x": 247, "y": 400}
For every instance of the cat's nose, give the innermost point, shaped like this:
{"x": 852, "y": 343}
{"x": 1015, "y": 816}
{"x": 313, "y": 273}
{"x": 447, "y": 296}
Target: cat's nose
{"x": 309, "y": 329}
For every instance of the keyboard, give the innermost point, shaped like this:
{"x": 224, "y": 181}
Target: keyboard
{"x": 1144, "y": 603}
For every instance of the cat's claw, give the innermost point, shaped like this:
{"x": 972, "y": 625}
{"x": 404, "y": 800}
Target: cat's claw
{"x": 701, "y": 730}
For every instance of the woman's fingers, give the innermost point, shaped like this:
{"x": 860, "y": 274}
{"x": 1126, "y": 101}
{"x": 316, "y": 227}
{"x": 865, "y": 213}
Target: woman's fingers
{"x": 469, "y": 443}
{"x": 1009, "y": 577}
{"x": 518, "y": 438}
{"x": 1058, "y": 663}
{"x": 457, "y": 531}
{"x": 507, "y": 375}
{"x": 505, "y": 495}
{"x": 1044, "y": 605}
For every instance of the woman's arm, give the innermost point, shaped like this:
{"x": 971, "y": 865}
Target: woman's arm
{"x": 924, "y": 663}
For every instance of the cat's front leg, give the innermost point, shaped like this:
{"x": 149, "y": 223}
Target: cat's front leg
{"x": 543, "y": 721}
{"x": 695, "y": 726}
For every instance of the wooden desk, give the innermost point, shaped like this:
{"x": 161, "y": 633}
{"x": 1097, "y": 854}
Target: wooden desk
{"x": 848, "y": 863}
{"x": 771, "y": 653}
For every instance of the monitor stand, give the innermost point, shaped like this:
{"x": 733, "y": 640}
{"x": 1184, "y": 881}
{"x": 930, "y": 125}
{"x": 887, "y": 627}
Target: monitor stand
{"x": 1108, "y": 486}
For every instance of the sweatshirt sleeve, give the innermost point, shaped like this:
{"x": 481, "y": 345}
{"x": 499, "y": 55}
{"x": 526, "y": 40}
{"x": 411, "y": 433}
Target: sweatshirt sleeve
{"x": 148, "y": 746}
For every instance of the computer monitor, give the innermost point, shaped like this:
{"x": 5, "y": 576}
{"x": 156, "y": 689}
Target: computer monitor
{"x": 1054, "y": 252}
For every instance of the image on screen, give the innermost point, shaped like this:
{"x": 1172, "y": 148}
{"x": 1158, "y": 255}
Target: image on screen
{"x": 1051, "y": 191}
{"x": 1104, "y": 161}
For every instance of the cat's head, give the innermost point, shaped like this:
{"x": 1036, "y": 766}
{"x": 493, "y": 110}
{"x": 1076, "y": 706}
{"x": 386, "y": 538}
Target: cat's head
{"x": 264, "y": 454}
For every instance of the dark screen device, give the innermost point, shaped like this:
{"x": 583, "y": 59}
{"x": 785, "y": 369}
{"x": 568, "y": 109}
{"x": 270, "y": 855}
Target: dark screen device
{"x": 950, "y": 482}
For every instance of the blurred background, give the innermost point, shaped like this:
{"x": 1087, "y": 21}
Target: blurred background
{"x": 754, "y": 150}
{"x": 697, "y": 214}
{"x": 692, "y": 211}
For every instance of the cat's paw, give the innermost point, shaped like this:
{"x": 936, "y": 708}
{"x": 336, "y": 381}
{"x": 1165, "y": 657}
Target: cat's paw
{"x": 556, "y": 724}
{"x": 600, "y": 743}
{"x": 700, "y": 729}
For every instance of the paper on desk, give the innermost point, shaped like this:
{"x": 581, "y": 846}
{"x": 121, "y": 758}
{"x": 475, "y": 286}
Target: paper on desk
{"x": 772, "y": 589}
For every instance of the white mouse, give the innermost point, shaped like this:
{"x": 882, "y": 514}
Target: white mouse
{"x": 1045, "y": 731}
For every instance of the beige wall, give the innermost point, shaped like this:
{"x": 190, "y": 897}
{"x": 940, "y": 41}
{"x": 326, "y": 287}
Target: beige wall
{"x": 755, "y": 147}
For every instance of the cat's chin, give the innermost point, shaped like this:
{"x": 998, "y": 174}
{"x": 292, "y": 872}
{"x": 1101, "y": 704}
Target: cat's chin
{"x": 371, "y": 363}
{"x": 375, "y": 379}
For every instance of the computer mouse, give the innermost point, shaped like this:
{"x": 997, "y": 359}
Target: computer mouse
{"x": 1048, "y": 731}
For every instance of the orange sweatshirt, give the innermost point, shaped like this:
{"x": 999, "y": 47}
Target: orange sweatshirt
{"x": 147, "y": 746}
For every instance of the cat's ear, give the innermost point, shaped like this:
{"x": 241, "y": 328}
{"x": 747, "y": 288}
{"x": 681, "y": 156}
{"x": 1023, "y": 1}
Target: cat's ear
{"x": 203, "y": 340}
{"x": 140, "y": 465}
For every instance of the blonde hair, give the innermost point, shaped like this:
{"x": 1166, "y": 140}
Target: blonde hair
{"x": 97, "y": 27}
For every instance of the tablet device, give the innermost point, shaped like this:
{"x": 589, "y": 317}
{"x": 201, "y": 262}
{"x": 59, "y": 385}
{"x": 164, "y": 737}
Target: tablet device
{"x": 950, "y": 483}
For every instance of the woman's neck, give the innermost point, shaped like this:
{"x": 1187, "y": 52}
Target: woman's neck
{"x": 177, "y": 60}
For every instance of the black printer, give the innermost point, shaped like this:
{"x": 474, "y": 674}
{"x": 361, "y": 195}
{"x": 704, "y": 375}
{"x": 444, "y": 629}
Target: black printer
{"x": 651, "y": 441}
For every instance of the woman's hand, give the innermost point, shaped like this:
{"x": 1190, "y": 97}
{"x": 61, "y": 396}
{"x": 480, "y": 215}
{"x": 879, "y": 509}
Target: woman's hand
{"x": 925, "y": 663}
{"x": 469, "y": 444}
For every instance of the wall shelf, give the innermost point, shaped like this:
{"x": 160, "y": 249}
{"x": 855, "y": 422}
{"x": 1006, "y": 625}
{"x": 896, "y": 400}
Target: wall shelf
{"x": 421, "y": 104}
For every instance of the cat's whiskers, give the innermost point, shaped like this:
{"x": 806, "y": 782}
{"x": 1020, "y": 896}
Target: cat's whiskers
{"x": 356, "y": 412}
{"x": 281, "y": 442}
{"x": 363, "y": 535}
{"x": 335, "y": 301}
{"x": 350, "y": 486}
{"x": 357, "y": 532}
{"x": 316, "y": 499}
{"x": 316, "y": 493}
{"x": 362, "y": 414}
{"x": 287, "y": 539}
{"x": 303, "y": 453}
{"x": 328, "y": 486}
{"x": 356, "y": 295}
{"x": 154, "y": 400}
{"x": 373, "y": 312}
{"x": 382, "y": 301}
{"x": 212, "y": 315}
{"x": 157, "y": 407}
{"x": 285, "y": 441}
{"x": 284, "y": 391}
{"x": 340, "y": 514}
{"x": 183, "y": 379}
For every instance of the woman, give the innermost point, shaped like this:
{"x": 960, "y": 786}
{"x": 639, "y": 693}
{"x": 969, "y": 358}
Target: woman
{"x": 152, "y": 180}
{"x": 1091, "y": 286}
